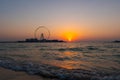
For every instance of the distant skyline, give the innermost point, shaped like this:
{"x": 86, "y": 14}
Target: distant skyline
{"x": 75, "y": 20}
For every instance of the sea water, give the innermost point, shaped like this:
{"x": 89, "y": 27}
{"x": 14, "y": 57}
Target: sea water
{"x": 83, "y": 60}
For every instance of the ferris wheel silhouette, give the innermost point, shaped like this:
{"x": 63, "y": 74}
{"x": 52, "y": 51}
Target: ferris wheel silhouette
{"x": 42, "y": 33}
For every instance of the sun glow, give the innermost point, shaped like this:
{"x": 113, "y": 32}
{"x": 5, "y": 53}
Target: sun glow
{"x": 69, "y": 39}
{"x": 70, "y": 33}
{"x": 69, "y": 36}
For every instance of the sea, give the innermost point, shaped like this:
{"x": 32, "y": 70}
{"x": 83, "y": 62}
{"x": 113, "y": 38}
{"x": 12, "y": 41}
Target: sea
{"x": 65, "y": 60}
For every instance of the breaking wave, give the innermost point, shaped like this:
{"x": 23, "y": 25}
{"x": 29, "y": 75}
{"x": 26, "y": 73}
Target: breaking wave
{"x": 50, "y": 71}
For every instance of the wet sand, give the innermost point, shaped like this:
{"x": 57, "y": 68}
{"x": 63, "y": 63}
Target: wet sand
{"x": 6, "y": 74}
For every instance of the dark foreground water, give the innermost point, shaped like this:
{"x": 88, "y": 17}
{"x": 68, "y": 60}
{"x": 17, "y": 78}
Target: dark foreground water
{"x": 66, "y": 61}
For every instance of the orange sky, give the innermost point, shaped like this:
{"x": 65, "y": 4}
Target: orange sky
{"x": 73, "y": 20}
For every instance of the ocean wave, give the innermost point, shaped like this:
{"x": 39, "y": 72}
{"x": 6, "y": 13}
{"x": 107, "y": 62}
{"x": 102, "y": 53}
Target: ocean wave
{"x": 2, "y": 49}
{"x": 71, "y": 49}
{"x": 50, "y": 71}
{"x": 85, "y": 49}
{"x": 92, "y": 48}
{"x": 64, "y": 49}
{"x": 63, "y": 58}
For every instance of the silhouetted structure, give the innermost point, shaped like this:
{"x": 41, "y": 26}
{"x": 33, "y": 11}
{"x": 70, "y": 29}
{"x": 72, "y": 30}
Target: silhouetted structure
{"x": 116, "y": 41}
{"x": 36, "y": 40}
{"x": 42, "y": 37}
{"x": 31, "y": 40}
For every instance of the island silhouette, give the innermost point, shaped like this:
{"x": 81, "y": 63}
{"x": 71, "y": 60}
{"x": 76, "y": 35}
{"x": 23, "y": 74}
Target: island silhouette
{"x": 42, "y": 37}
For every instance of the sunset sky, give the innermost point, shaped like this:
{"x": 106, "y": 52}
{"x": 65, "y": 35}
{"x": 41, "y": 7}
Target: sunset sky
{"x": 75, "y": 20}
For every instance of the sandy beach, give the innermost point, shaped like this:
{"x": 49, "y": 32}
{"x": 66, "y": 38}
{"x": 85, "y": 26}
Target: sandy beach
{"x": 6, "y": 74}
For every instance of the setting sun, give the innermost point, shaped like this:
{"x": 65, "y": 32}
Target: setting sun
{"x": 69, "y": 36}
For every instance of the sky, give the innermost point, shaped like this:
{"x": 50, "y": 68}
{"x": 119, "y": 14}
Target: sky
{"x": 75, "y": 20}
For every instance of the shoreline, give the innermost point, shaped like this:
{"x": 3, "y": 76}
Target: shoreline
{"x": 51, "y": 72}
{"x": 7, "y": 74}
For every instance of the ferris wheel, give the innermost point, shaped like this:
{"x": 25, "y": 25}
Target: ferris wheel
{"x": 42, "y": 33}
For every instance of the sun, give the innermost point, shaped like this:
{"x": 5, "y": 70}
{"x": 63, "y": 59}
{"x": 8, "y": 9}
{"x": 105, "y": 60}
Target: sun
{"x": 69, "y": 39}
{"x": 69, "y": 36}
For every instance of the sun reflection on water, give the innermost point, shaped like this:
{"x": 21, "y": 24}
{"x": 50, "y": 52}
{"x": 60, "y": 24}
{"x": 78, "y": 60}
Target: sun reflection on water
{"x": 66, "y": 60}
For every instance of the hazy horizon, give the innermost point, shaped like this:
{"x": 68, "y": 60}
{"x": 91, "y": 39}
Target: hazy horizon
{"x": 77, "y": 20}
